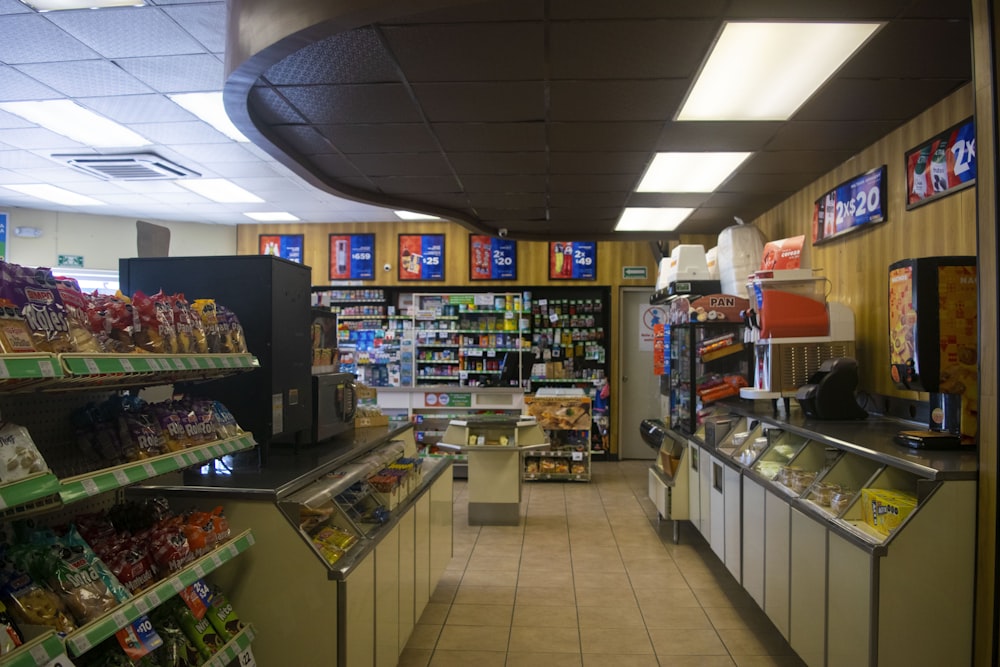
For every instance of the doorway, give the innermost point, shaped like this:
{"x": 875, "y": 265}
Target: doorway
{"x": 640, "y": 388}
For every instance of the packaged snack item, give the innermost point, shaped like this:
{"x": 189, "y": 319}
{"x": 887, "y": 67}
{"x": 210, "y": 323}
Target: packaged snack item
{"x": 332, "y": 542}
{"x": 35, "y": 294}
{"x": 200, "y": 533}
{"x": 223, "y": 617}
{"x": 201, "y": 633}
{"x": 31, "y": 604}
{"x": 10, "y": 635}
{"x": 133, "y": 566}
{"x": 19, "y": 457}
{"x": 15, "y": 337}
{"x": 110, "y": 319}
{"x": 231, "y": 331}
{"x": 153, "y": 324}
{"x": 205, "y": 309}
{"x": 140, "y": 435}
{"x": 177, "y": 649}
{"x": 190, "y": 330}
{"x": 885, "y": 509}
{"x": 74, "y": 577}
{"x": 198, "y": 598}
{"x": 170, "y": 421}
{"x": 225, "y": 423}
{"x": 83, "y": 340}
{"x": 170, "y": 549}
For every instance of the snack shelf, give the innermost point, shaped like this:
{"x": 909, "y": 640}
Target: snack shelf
{"x": 38, "y": 651}
{"x": 86, "y": 365}
{"x": 722, "y": 352}
{"x": 483, "y": 351}
{"x": 556, "y": 476}
{"x": 28, "y": 490}
{"x": 566, "y": 380}
{"x": 361, "y": 317}
{"x": 17, "y": 368}
{"x": 438, "y": 377}
{"x": 559, "y": 453}
{"x": 437, "y": 361}
{"x": 92, "y": 634}
{"x": 108, "y": 479}
{"x": 232, "y": 650}
{"x": 438, "y": 345}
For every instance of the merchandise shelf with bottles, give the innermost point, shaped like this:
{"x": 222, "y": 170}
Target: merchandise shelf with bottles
{"x": 39, "y": 392}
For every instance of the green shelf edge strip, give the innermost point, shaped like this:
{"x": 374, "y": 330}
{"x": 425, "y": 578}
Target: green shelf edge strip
{"x": 86, "y": 366}
{"x": 38, "y": 651}
{"x": 28, "y": 490}
{"x": 29, "y": 367}
{"x": 94, "y": 633}
{"x": 232, "y": 650}
{"x": 101, "y": 481}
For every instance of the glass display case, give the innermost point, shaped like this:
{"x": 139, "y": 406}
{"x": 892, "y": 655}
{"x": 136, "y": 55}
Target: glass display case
{"x": 708, "y": 362}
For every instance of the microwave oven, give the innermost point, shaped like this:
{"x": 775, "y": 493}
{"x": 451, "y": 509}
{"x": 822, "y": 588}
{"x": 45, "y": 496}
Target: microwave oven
{"x": 335, "y": 402}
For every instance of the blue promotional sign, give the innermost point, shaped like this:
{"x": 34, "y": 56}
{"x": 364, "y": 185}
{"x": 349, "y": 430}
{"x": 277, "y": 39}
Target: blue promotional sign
{"x": 3, "y": 237}
{"x": 352, "y": 256}
{"x": 492, "y": 258}
{"x": 944, "y": 164}
{"x": 421, "y": 257}
{"x": 286, "y": 246}
{"x": 853, "y": 204}
{"x": 573, "y": 260}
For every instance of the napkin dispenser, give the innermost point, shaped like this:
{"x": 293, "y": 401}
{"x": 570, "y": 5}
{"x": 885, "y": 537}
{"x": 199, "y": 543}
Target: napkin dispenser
{"x": 829, "y": 394}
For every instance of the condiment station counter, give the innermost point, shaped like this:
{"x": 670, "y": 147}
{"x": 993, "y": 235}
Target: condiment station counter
{"x": 854, "y": 546}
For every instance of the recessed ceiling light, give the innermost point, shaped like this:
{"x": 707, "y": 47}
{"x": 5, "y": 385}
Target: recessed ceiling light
{"x": 652, "y": 219}
{"x": 410, "y": 215}
{"x": 271, "y": 216}
{"x": 53, "y": 5}
{"x": 765, "y": 71}
{"x": 53, "y": 194}
{"x": 209, "y": 107}
{"x": 220, "y": 190}
{"x": 71, "y": 120}
{"x": 689, "y": 172}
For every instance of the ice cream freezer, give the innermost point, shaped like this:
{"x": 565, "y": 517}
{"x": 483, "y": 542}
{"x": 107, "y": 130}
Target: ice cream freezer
{"x": 352, "y": 538}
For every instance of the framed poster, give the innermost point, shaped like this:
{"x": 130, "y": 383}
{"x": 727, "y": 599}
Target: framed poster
{"x": 573, "y": 260}
{"x": 492, "y": 258}
{"x": 942, "y": 165}
{"x": 285, "y": 246}
{"x": 852, "y": 205}
{"x": 421, "y": 257}
{"x": 352, "y": 256}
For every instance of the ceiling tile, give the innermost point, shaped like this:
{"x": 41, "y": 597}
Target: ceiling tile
{"x": 10, "y": 121}
{"x": 649, "y": 49}
{"x": 383, "y": 138}
{"x": 36, "y": 138}
{"x": 607, "y": 162}
{"x": 598, "y": 199}
{"x": 303, "y": 139}
{"x": 177, "y": 74}
{"x": 815, "y": 9}
{"x": 790, "y": 162}
{"x": 593, "y": 182}
{"x": 127, "y": 32}
{"x": 515, "y": 137}
{"x": 371, "y": 103}
{"x": 205, "y": 22}
{"x": 47, "y": 44}
{"x": 634, "y": 9}
{"x": 13, "y": 7}
{"x": 882, "y": 57}
{"x": 585, "y": 213}
{"x": 658, "y": 199}
{"x": 128, "y": 109}
{"x": 337, "y": 167}
{"x": 85, "y": 78}
{"x": 469, "y": 51}
{"x": 450, "y": 200}
{"x": 402, "y": 164}
{"x": 477, "y": 12}
{"x": 505, "y": 215}
{"x": 786, "y": 183}
{"x": 892, "y": 99}
{"x": 215, "y": 153}
{"x": 829, "y": 135}
{"x": 603, "y": 136}
{"x": 504, "y": 183}
{"x": 21, "y": 159}
{"x": 615, "y": 100}
{"x": 269, "y": 108}
{"x": 498, "y": 102}
{"x": 355, "y": 56}
{"x": 507, "y": 200}
{"x": 716, "y": 136}
{"x": 498, "y": 163}
{"x": 181, "y": 133}
{"x": 404, "y": 185}
{"x": 16, "y": 86}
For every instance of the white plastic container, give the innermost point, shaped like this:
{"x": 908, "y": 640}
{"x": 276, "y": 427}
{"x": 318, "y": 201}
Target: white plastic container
{"x": 687, "y": 262}
{"x": 740, "y": 250}
{"x": 712, "y": 259}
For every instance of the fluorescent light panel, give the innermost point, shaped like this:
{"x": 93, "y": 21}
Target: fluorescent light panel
{"x": 209, "y": 107}
{"x": 53, "y": 194}
{"x": 71, "y": 120}
{"x": 271, "y": 216}
{"x": 220, "y": 190}
{"x": 766, "y": 71}
{"x": 410, "y": 215}
{"x": 53, "y": 5}
{"x": 652, "y": 219}
{"x": 689, "y": 172}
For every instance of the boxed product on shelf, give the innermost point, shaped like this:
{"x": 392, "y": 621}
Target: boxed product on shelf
{"x": 885, "y": 509}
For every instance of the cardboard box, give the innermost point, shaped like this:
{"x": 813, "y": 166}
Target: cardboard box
{"x": 369, "y": 422}
{"x": 366, "y": 393}
{"x": 885, "y": 509}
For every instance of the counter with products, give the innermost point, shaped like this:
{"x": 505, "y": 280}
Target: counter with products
{"x": 352, "y": 537}
{"x": 849, "y": 542}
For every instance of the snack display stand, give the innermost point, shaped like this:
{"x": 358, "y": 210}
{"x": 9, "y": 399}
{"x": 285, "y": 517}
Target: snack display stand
{"x": 494, "y": 447}
{"x": 566, "y": 417}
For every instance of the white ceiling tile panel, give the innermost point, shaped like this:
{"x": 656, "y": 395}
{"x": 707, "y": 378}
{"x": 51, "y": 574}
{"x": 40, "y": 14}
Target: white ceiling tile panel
{"x": 185, "y": 197}
{"x": 85, "y": 78}
{"x": 57, "y": 175}
{"x": 12, "y": 7}
{"x": 205, "y": 22}
{"x": 22, "y": 160}
{"x": 47, "y": 43}
{"x": 151, "y": 186}
{"x": 128, "y": 109}
{"x": 10, "y": 121}
{"x": 181, "y": 133}
{"x": 36, "y": 138}
{"x": 177, "y": 74}
{"x": 127, "y": 32}
{"x": 17, "y": 86}
{"x": 213, "y": 153}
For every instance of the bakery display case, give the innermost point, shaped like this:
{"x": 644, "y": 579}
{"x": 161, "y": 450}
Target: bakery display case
{"x": 565, "y": 414}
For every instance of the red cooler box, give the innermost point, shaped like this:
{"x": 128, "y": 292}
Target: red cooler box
{"x": 792, "y": 308}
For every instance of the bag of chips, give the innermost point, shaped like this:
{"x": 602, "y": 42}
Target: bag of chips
{"x": 206, "y": 311}
{"x": 153, "y": 324}
{"x": 31, "y": 604}
{"x": 36, "y": 296}
{"x": 19, "y": 457}
{"x": 77, "y": 304}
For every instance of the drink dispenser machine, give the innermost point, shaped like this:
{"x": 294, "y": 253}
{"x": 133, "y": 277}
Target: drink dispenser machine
{"x": 933, "y": 345}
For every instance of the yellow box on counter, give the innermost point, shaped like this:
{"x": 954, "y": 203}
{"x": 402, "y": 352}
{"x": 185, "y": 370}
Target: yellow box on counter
{"x": 366, "y": 393}
{"x": 884, "y": 509}
{"x": 371, "y": 421}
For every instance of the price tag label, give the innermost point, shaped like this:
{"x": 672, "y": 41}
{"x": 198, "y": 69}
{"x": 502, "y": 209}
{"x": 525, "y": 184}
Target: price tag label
{"x": 474, "y": 352}
{"x": 233, "y": 551}
{"x": 91, "y": 366}
{"x": 211, "y": 362}
{"x": 509, "y": 315}
{"x": 463, "y": 375}
{"x": 4, "y": 373}
{"x": 246, "y": 658}
{"x": 149, "y": 469}
{"x": 47, "y": 369}
{"x": 154, "y": 599}
{"x": 3, "y": 502}
{"x": 227, "y": 362}
{"x": 120, "y": 619}
{"x": 180, "y": 461}
{"x": 90, "y": 487}
{"x": 217, "y": 560}
{"x": 127, "y": 365}
{"x": 577, "y": 456}
{"x": 121, "y": 477}
{"x": 199, "y": 570}
{"x": 491, "y": 353}
{"x": 39, "y": 654}
{"x": 179, "y": 364}
{"x": 142, "y": 605}
{"x": 61, "y": 660}
{"x": 250, "y": 540}
{"x": 553, "y": 318}
{"x": 177, "y": 585}
{"x": 153, "y": 364}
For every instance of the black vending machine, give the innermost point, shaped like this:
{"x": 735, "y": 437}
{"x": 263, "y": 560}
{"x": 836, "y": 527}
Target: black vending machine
{"x": 271, "y": 298}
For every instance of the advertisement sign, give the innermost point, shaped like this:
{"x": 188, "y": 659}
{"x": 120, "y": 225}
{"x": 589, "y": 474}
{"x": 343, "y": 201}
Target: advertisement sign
{"x": 285, "y": 246}
{"x": 573, "y": 260}
{"x": 649, "y": 318}
{"x": 421, "y": 257}
{"x": 352, "y": 256}
{"x": 783, "y": 254}
{"x": 3, "y": 237}
{"x": 492, "y": 258}
{"x": 943, "y": 165}
{"x": 850, "y": 206}
{"x": 660, "y": 355}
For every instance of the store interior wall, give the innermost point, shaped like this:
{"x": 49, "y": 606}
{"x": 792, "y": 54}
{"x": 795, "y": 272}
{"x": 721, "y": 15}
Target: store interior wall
{"x": 102, "y": 240}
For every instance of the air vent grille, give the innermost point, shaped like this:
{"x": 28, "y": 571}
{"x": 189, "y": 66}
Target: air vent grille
{"x": 131, "y": 167}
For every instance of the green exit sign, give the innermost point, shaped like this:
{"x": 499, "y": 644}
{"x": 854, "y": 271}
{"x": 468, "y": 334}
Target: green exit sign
{"x": 634, "y": 273}
{"x": 71, "y": 261}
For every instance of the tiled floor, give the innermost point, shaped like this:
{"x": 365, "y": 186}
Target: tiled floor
{"x": 589, "y": 579}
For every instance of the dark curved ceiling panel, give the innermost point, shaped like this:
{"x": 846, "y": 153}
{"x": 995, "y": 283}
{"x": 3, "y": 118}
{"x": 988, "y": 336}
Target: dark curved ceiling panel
{"x": 541, "y": 116}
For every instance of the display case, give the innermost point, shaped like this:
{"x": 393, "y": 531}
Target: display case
{"x": 708, "y": 362}
{"x": 566, "y": 416}
{"x": 368, "y": 333}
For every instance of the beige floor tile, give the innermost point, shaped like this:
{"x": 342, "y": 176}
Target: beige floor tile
{"x": 667, "y": 616}
{"x": 549, "y": 578}
{"x": 480, "y": 614}
{"x": 493, "y": 563}
{"x": 643, "y": 563}
{"x": 602, "y": 580}
{"x": 589, "y": 563}
{"x": 545, "y": 595}
{"x": 768, "y": 661}
{"x": 738, "y": 617}
{"x": 517, "y": 659}
{"x": 616, "y": 641}
{"x": 545, "y": 561}
{"x": 485, "y": 595}
{"x": 435, "y": 613}
{"x": 544, "y": 640}
{"x": 689, "y": 642}
{"x": 489, "y": 578}
{"x": 424, "y": 636}
{"x": 745, "y": 641}
{"x": 657, "y": 581}
{"x": 564, "y": 616}
{"x": 605, "y": 597}
{"x": 451, "y": 658}
{"x": 444, "y": 594}
{"x": 723, "y": 596}
{"x": 695, "y": 661}
{"x": 473, "y": 638}
{"x": 414, "y": 657}
{"x": 497, "y": 550}
{"x": 620, "y": 660}
{"x": 678, "y": 597}
{"x": 609, "y": 617}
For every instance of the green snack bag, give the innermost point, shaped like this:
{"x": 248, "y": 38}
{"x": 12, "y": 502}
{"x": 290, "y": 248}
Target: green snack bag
{"x": 223, "y": 617}
{"x": 201, "y": 633}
